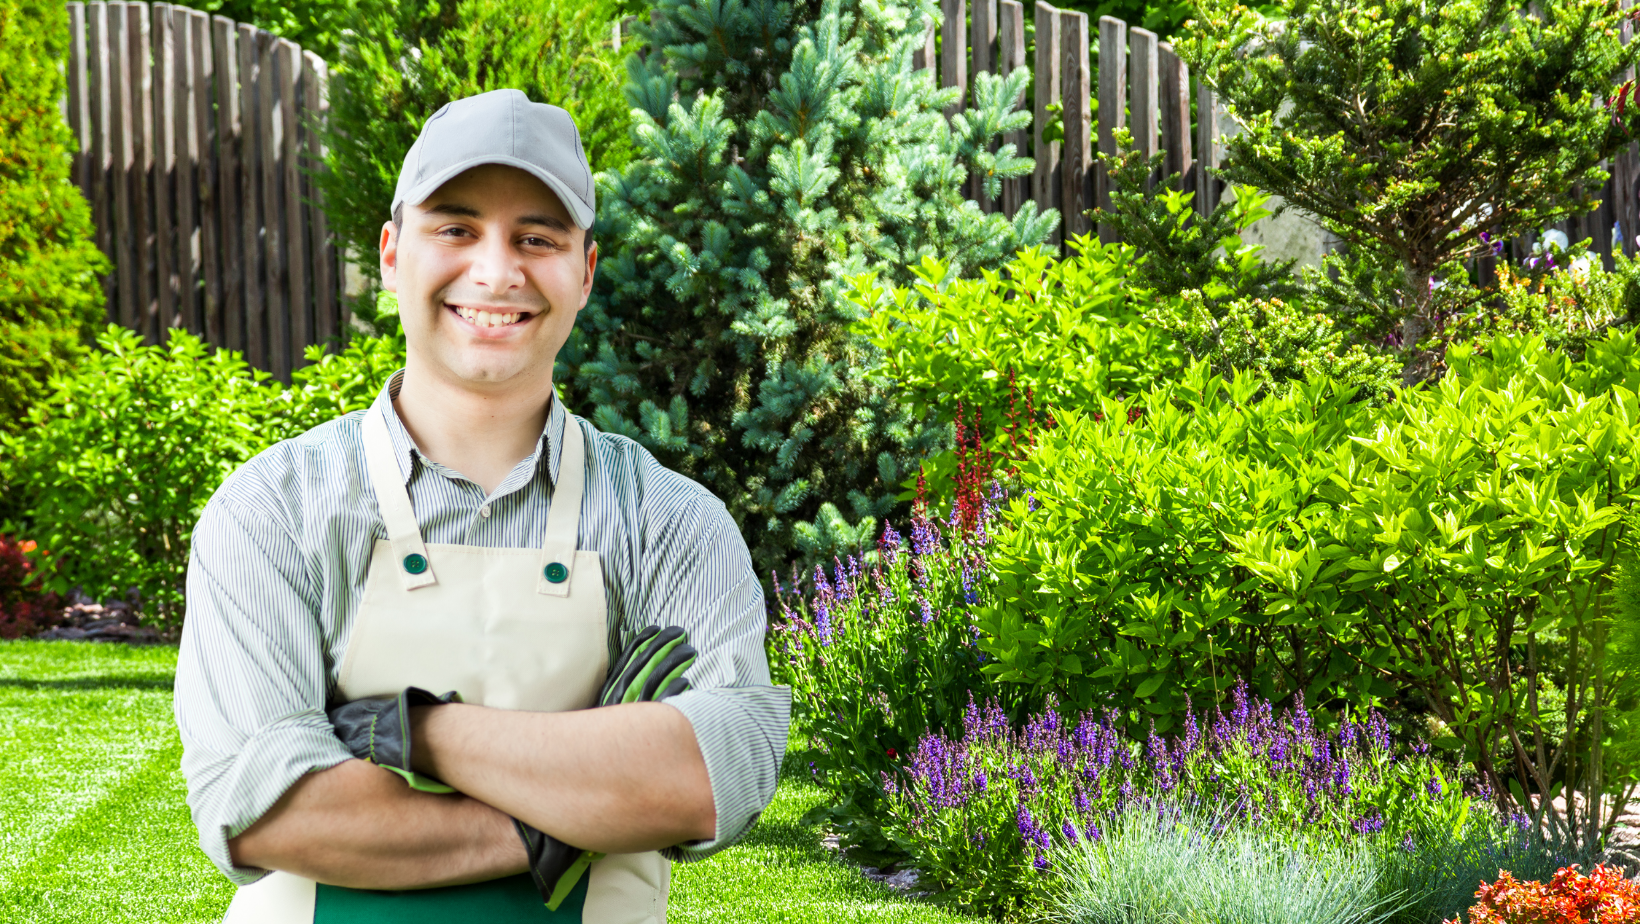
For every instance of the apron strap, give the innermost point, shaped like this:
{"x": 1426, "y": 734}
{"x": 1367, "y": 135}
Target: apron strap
{"x": 564, "y": 516}
{"x": 393, "y": 500}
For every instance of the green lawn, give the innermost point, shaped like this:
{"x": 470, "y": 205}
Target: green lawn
{"x": 93, "y": 826}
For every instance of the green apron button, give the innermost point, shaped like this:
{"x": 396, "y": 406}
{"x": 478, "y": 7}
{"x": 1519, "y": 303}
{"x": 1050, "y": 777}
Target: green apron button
{"x": 557, "y": 573}
{"x": 415, "y": 564}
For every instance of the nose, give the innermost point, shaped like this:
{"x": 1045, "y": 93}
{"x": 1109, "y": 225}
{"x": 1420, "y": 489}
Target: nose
{"x": 495, "y": 263}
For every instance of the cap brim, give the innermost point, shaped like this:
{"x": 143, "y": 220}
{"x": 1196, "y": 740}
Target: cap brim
{"x": 579, "y": 211}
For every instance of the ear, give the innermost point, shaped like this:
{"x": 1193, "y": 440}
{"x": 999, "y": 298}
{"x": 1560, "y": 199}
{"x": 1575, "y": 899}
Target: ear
{"x": 390, "y": 256}
{"x": 592, "y": 268}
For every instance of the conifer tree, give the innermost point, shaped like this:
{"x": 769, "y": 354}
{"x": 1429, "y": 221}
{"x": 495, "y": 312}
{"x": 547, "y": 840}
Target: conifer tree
{"x": 1421, "y": 133}
{"x": 781, "y": 147}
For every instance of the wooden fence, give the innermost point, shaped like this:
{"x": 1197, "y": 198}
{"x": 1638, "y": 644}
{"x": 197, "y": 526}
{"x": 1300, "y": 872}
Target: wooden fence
{"x": 196, "y": 138}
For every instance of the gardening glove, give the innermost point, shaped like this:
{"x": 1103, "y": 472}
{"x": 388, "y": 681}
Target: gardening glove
{"x": 378, "y": 730}
{"x": 648, "y": 671}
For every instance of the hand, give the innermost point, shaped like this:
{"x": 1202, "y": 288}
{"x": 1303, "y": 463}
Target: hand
{"x": 648, "y": 671}
{"x": 378, "y": 730}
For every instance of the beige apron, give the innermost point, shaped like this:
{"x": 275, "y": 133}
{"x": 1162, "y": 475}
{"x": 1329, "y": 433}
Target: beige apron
{"x": 507, "y": 628}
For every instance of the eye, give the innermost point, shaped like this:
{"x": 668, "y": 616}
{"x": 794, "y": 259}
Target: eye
{"x": 452, "y": 231}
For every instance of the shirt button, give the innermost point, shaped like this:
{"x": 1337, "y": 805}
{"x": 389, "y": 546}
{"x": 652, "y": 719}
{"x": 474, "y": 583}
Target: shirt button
{"x": 484, "y": 511}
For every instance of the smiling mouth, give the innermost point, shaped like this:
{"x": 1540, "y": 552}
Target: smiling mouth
{"x": 479, "y": 318}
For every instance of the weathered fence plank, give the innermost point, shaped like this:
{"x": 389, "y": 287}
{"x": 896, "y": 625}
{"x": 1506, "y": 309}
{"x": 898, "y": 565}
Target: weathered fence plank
{"x": 229, "y": 139}
{"x": 1046, "y": 180}
{"x": 1175, "y": 116}
{"x": 327, "y": 319}
{"x": 277, "y": 319}
{"x": 1074, "y": 82}
{"x": 1010, "y": 57}
{"x": 954, "y": 52}
{"x": 78, "y": 109}
{"x": 925, "y": 55}
{"x": 1144, "y": 81}
{"x": 1113, "y": 78}
{"x": 250, "y": 210}
{"x": 102, "y": 143}
{"x": 140, "y": 40}
{"x": 201, "y": 71}
{"x": 297, "y": 268}
{"x": 165, "y": 165}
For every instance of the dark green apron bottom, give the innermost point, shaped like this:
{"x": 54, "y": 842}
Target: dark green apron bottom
{"x": 500, "y": 901}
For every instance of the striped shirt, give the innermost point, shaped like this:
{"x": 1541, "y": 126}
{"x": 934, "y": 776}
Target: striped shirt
{"x": 278, "y": 570}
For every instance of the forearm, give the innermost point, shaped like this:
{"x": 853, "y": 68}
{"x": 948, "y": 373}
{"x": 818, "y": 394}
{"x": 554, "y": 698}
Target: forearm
{"x": 620, "y": 779}
{"x": 358, "y": 825}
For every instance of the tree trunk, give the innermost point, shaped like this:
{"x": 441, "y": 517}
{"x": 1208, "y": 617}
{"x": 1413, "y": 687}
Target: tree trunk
{"x": 1418, "y": 298}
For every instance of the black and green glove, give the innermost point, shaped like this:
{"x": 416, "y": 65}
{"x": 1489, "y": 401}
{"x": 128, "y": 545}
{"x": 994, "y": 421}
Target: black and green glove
{"x": 648, "y": 671}
{"x": 378, "y": 730}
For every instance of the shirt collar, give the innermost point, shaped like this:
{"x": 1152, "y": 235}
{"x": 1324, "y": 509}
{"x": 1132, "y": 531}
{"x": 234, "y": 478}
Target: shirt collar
{"x": 405, "y": 448}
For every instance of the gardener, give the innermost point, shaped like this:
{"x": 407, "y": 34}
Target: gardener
{"x": 467, "y": 535}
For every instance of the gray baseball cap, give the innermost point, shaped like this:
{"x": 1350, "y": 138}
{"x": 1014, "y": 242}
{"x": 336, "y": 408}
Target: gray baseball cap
{"x": 500, "y": 127}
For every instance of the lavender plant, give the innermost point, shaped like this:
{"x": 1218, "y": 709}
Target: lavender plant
{"x": 881, "y": 652}
{"x": 982, "y": 814}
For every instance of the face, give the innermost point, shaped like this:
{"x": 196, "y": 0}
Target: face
{"x": 490, "y": 272}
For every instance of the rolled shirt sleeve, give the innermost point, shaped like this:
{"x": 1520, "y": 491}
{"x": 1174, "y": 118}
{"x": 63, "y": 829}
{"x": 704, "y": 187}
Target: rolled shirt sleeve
{"x": 251, "y": 676}
{"x": 698, "y": 575}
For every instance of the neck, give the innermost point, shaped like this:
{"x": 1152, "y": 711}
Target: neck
{"x": 481, "y": 433}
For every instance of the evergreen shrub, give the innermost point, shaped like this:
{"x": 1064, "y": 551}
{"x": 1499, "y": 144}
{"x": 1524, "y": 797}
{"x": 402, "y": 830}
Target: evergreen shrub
{"x": 119, "y": 459}
{"x": 50, "y": 293}
{"x": 399, "y": 62}
{"x": 780, "y": 149}
{"x": 1420, "y": 133}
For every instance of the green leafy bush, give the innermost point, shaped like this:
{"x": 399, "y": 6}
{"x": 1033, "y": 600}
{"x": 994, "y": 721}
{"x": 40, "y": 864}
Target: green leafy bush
{"x": 399, "y": 62}
{"x": 119, "y": 459}
{"x": 50, "y": 295}
{"x": 781, "y": 149}
{"x": 1450, "y": 549}
{"x": 1071, "y": 330}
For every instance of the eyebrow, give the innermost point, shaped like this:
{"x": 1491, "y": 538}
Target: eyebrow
{"x": 467, "y": 211}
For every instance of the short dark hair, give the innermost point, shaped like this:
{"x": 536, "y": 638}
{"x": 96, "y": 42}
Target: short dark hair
{"x": 398, "y": 223}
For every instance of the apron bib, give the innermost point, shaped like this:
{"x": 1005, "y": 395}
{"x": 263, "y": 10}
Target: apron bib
{"x": 506, "y": 628}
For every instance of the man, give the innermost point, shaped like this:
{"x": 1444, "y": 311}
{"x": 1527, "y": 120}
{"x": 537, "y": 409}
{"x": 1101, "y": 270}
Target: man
{"x": 467, "y": 534}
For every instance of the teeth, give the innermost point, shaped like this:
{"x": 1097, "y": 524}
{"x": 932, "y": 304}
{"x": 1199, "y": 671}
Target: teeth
{"x": 487, "y": 319}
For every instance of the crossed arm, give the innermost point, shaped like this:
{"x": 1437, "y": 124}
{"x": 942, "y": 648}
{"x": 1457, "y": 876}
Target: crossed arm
{"x": 620, "y": 779}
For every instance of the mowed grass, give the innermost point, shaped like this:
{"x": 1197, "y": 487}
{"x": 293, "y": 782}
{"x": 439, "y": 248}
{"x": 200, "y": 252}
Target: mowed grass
{"x": 94, "y": 825}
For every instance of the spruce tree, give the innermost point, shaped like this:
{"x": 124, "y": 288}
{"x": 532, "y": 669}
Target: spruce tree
{"x": 781, "y": 147}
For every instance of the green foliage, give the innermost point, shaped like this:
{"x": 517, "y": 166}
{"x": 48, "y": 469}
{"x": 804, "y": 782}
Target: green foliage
{"x": 1568, "y": 306}
{"x": 1442, "y": 549}
{"x": 50, "y": 295}
{"x": 1411, "y": 128}
{"x": 1071, "y": 330}
{"x": 781, "y": 149}
{"x": 400, "y": 62}
{"x": 1216, "y": 295}
{"x": 118, "y": 461}
{"x": 1276, "y": 342}
{"x": 1181, "y": 251}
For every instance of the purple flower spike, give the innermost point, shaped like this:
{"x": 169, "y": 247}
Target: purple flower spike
{"x": 1433, "y": 787}
{"x": 1069, "y": 831}
{"x": 889, "y": 545}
